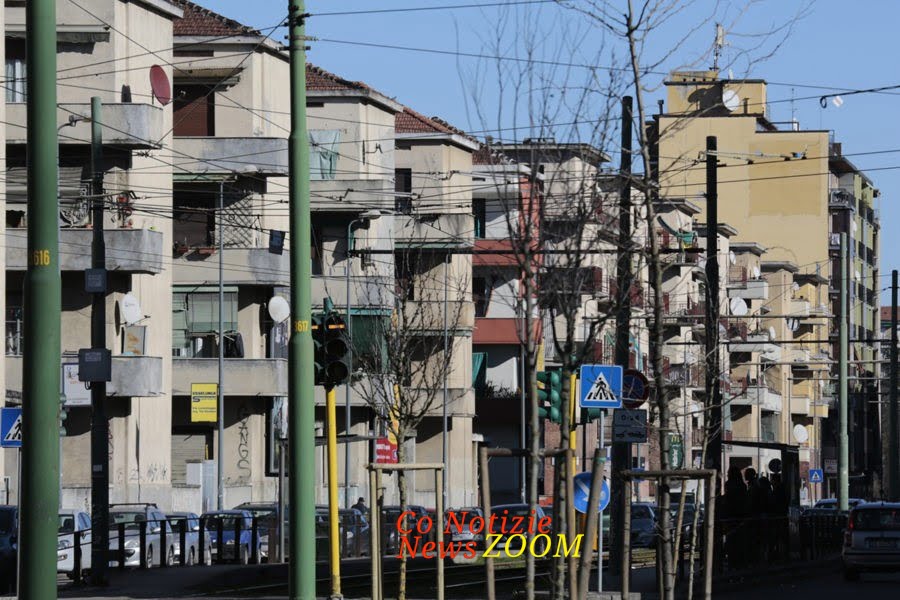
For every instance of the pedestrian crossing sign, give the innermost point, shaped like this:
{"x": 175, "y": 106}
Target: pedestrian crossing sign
{"x": 601, "y": 386}
{"x": 815, "y": 475}
{"x": 11, "y": 427}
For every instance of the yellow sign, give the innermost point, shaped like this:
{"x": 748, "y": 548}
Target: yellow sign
{"x": 204, "y": 399}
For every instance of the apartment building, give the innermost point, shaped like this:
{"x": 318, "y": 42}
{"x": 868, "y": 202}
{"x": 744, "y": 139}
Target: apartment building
{"x": 137, "y": 181}
{"x": 781, "y": 186}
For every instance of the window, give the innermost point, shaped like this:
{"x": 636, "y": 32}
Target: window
{"x": 194, "y": 111}
{"x": 316, "y": 250}
{"x": 481, "y": 296}
{"x": 194, "y": 222}
{"x": 403, "y": 185}
{"x": 15, "y": 71}
{"x": 479, "y": 212}
{"x": 195, "y": 321}
{"x": 323, "y": 153}
{"x": 405, "y": 275}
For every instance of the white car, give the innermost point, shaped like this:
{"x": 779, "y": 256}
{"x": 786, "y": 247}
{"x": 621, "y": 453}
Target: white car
{"x": 872, "y": 539}
{"x": 130, "y": 517}
{"x": 74, "y": 529}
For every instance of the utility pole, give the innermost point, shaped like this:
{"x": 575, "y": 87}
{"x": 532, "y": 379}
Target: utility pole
{"x": 301, "y": 378}
{"x": 843, "y": 441}
{"x": 714, "y": 422}
{"x": 334, "y": 535}
{"x": 39, "y": 501}
{"x": 220, "y": 392}
{"x": 99, "y": 422}
{"x": 893, "y": 442}
{"x": 621, "y": 451}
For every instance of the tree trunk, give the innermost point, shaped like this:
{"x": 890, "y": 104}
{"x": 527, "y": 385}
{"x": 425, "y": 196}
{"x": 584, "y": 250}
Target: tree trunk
{"x": 534, "y": 457}
{"x": 401, "y": 483}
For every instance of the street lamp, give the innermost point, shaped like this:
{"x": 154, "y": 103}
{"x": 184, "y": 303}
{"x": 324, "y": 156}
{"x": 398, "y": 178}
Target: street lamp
{"x": 364, "y": 217}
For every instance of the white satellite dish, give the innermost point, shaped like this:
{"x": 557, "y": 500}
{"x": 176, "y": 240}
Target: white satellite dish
{"x": 856, "y": 275}
{"x": 796, "y": 287}
{"x": 279, "y": 309}
{"x": 793, "y": 324}
{"x": 756, "y": 272}
{"x": 771, "y": 334}
{"x": 731, "y": 100}
{"x": 738, "y": 307}
{"x": 732, "y": 258}
{"x": 131, "y": 309}
{"x": 800, "y": 434}
{"x": 837, "y": 101}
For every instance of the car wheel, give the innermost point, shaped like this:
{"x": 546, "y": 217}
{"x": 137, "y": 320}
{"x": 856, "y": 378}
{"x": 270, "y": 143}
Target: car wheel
{"x": 149, "y": 557}
{"x": 245, "y": 555}
{"x": 170, "y": 556}
{"x": 851, "y": 574}
{"x": 190, "y": 558}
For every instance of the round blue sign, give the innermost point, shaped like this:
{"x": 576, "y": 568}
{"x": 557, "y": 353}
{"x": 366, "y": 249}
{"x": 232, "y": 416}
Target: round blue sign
{"x": 583, "y": 492}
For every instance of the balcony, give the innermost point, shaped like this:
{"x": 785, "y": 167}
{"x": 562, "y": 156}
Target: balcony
{"x": 243, "y": 376}
{"x": 129, "y": 126}
{"x": 751, "y": 289}
{"x": 127, "y": 250}
{"x": 799, "y": 308}
{"x": 841, "y": 199}
{"x": 224, "y": 155}
{"x": 758, "y": 342}
{"x": 421, "y": 231}
{"x": 800, "y": 405}
{"x": 761, "y": 396}
{"x": 374, "y": 291}
{"x": 241, "y": 266}
{"x": 132, "y": 376}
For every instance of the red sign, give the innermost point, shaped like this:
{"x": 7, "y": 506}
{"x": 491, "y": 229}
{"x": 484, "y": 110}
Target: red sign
{"x": 385, "y": 451}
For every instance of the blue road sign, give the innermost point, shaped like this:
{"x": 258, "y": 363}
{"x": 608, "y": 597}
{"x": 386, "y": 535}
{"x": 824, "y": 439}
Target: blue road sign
{"x": 815, "y": 475}
{"x": 583, "y": 492}
{"x": 601, "y": 386}
{"x": 10, "y": 427}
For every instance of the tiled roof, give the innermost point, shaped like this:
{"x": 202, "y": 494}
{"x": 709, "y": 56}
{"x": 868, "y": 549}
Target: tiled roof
{"x": 199, "y": 21}
{"x": 409, "y": 121}
{"x": 318, "y": 79}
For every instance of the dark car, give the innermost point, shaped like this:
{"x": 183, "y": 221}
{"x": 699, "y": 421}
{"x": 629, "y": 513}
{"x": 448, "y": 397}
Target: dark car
{"x": 643, "y": 525}
{"x": 233, "y": 523}
{"x": 515, "y": 510}
{"x": 390, "y": 533}
{"x": 9, "y": 527}
{"x": 267, "y": 523}
{"x": 355, "y": 535}
{"x": 459, "y": 522}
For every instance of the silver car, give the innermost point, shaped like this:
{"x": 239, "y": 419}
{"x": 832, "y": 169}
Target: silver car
{"x": 74, "y": 528}
{"x": 130, "y": 517}
{"x": 191, "y": 523}
{"x": 872, "y": 539}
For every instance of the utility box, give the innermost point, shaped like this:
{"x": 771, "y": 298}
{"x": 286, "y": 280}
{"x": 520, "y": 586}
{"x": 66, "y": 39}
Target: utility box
{"x": 94, "y": 364}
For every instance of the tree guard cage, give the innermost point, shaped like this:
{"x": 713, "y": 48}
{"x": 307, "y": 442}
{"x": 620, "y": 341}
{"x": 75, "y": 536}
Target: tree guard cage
{"x": 707, "y": 475}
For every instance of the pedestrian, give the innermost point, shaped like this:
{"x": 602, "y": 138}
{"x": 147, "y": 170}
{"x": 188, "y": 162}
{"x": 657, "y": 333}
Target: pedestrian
{"x": 361, "y": 507}
{"x": 736, "y": 506}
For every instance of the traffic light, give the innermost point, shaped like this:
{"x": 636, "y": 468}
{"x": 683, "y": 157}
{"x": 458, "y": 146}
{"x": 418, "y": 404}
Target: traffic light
{"x": 317, "y": 326}
{"x": 590, "y": 414}
{"x": 550, "y": 395}
{"x": 337, "y": 363}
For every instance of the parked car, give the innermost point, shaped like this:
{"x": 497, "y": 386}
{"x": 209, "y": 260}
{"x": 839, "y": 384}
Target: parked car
{"x": 230, "y": 520}
{"x": 460, "y": 530}
{"x": 643, "y": 525}
{"x": 74, "y": 528}
{"x": 9, "y": 528}
{"x": 872, "y": 539}
{"x": 131, "y": 516}
{"x": 515, "y": 510}
{"x": 831, "y": 504}
{"x": 389, "y": 530}
{"x": 355, "y": 534}
{"x": 190, "y": 522}
{"x": 266, "y": 514}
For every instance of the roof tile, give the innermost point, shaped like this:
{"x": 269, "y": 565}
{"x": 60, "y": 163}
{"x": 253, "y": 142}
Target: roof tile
{"x": 199, "y": 21}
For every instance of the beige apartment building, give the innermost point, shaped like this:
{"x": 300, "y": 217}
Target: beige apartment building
{"x": 138, "y": 228}
{"x": 791, "y": 191}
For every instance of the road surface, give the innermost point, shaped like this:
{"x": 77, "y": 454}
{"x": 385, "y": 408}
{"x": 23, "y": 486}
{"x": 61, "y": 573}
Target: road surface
{"x": 825, "y": 585}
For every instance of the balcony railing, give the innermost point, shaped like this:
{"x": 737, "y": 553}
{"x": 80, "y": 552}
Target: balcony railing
{"x": 737, "y": 275}
{"x": 838, "y": 198}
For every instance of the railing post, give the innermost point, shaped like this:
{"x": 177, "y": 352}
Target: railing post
{"x": 76, "y": 556}
{"x": 182, "y": 542}
{"x": 201, "y": 543}
{"x": 220, "y": 543}
{"x": 163, "y": 543}
{"x": 121, "y": 545}
{"x": 238, "y": 523}
{"x": 254, "y": 540}
{"x": 142, "y": 539}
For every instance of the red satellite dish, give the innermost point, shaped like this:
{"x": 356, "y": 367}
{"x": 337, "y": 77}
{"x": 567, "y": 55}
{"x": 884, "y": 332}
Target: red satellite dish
{"x": 159, "y": 83}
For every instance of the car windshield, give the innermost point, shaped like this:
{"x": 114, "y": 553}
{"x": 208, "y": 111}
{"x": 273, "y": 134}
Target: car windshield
{"x": 229, "y": 522}
{"x": 876, "y": 520}
{"x": 7, "y": 520}
{"x": 641, "y": 512}
{"x": 260, "y": 511}
{"x": 66, "y": 523}
{"x": 130, "y": 519}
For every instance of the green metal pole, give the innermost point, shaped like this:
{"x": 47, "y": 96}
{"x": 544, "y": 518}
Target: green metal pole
{"x": 893, "y": 440}
{"x": 301, "y": 386}
{"x": 39, "y": 503}
{"x": 843, "y": 441}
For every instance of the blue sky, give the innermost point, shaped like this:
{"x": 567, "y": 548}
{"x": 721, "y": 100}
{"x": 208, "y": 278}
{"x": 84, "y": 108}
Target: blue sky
{"x": 836, "y": 44}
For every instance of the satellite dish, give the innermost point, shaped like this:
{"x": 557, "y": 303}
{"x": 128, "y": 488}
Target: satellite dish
{"x": 756, "y": 272}
{"x": 731, "y": 100}
{"x": 738, "y": 307}
{"x": 853, "y": 226}
{"x": 796, "y": 287}
{"x": 701, "y": 264}
{"x": 856, "y": 275}
{"x": 771, "y": 333}
{"x": 800, "y": 434}
{"x": 279, "y": 309}
{"x": 732, "y": 258}
{"x": 837, "y": 101}
{"x": 159, "y": 84}
{"x": 131, "y": 309}
{"x": 793, "y": 324}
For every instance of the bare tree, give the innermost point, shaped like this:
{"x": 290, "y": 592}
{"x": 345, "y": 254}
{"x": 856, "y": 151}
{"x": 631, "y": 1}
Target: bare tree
{"x": 415, "y": 358}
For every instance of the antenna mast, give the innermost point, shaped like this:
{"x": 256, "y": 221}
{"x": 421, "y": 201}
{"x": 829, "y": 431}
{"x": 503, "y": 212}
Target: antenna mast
{"x": 720, "y": 43}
